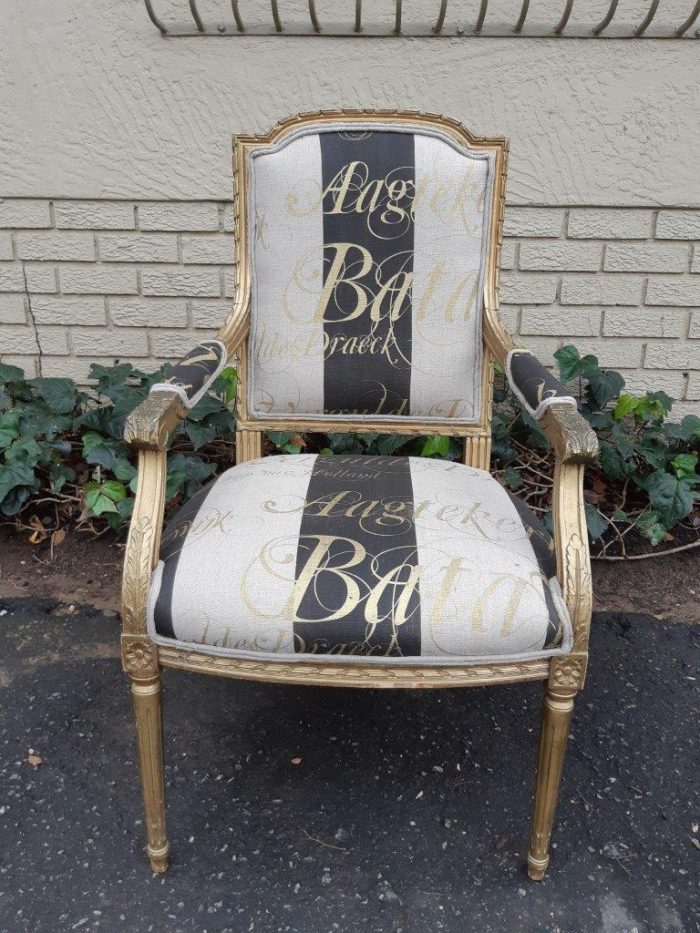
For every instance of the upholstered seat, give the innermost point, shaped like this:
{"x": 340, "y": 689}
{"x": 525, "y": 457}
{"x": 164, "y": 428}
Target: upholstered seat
{"x": 358, "y": 558}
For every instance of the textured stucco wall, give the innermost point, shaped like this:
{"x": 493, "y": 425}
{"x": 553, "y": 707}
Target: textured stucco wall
{"x": 101, "y": 118}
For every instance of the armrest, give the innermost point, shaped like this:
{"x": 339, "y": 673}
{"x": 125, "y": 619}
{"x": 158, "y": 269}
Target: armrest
{"x": 148, "y": 428}
{"x": 575, "y": 445}
{"x": 150, "y": 424}
{"x": 547, "y": 401}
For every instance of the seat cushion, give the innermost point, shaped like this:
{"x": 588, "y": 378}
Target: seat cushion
{"x": 392, "y": 559}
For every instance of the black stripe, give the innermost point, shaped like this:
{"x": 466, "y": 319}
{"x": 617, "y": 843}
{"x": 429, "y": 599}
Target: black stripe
{"x": 357, "y": 559}
{"x": 369, "y": 188}
{"x": 173, "y": 542}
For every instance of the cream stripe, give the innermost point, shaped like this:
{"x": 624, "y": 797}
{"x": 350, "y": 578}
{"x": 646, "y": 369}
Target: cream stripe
{"x": 286, "y": 237}
{"x": 450, "y": 241}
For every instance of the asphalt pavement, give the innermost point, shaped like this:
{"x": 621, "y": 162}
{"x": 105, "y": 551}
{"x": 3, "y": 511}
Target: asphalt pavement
{"x": 311, "y": 810}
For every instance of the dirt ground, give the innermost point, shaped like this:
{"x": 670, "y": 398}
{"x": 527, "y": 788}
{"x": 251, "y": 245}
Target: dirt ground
{"x": 84, "y": 570}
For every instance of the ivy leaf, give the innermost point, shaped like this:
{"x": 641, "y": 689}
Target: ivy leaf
{"x": 437, "y": 445}
{"x": 604, "y": 385}
{"x": 24, "y": 451}
{"x": 650, "y": 526}
{"x": 684, "y": 465}
{"x": 612, "y": 463}
{"x": 10, "y": 374}
{"x": 124, "y": 470}
{"x": 653, "y": 450}
{"x": 226, "y": 384}
{"x": 9, "y": 428}
{"x": 107, "y": 376}
{"x": 200, "y": 434}
{"x": 572, "y": 364}
{"x": 59, "y": 395}
{"x": 390, "y": 443}
{"x": 103, "y": 497}
{"x": 99, "y": 450}
{"x": 626, "y": 404}
{"x": 687, "y": 430}
{"x": 206, "y": 406}
{"x": 596, "y": 521}
{"x": 670, "y": 497}
{"x": 60, "y": 474}
{"x": 286, "y": 441}
{"x": 512, "y": 477}
{"x": 17, "y": 483}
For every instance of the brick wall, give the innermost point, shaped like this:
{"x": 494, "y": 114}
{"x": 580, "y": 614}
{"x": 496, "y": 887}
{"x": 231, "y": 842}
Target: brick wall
{"x": 84, "y": 281}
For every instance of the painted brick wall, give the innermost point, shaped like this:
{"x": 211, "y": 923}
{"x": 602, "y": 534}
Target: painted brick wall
{"x": 84, "y": 281}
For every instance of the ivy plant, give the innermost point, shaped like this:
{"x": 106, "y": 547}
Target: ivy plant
{"x": 61, "y": 445}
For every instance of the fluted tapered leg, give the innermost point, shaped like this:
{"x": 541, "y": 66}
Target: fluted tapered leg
{"x": 556, "y": 719}
{"x": 149, "y": 731}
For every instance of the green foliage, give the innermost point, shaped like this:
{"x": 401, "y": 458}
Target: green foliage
{"x": 638, "y": 448}
{"x": 64, "y": 445}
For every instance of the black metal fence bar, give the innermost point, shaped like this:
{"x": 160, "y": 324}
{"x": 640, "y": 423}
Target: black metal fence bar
{"x": 523, "y": 16}
{"x": 561, "y": 25}
{"x": 607, "y": 19}
{"x": 433, "y": 25}
{"x": 643, "y": 26}
{"x": 198, "y": 21}
{"x": 237, "y": 16}
{"x": 689, "y": 22}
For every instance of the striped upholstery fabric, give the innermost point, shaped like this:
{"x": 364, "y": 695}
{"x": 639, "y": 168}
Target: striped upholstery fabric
{"x": 358, "y": 559}
{"x": 534, "y": 386}
{"x": 367, "y": 249}
{"x": 194, "y": 373}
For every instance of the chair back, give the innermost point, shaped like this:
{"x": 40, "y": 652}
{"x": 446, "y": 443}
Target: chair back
{"x": 368, "y": 243}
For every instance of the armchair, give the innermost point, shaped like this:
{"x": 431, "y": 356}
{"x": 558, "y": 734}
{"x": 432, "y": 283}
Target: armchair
{"x": 367, "y": 248}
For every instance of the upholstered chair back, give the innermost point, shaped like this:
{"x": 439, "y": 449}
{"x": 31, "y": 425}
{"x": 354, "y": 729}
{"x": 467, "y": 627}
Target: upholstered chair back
{"x": 367, "y": 249}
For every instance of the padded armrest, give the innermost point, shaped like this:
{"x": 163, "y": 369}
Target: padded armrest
{"x": 195, "y": 372}
{"x": 533, "y": 385}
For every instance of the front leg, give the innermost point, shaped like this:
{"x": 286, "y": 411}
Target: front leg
{"x": 140, "y": 659}
{"x": 556, "y": 720}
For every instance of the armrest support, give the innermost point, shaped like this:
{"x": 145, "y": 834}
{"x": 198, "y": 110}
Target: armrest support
{"x": 148, "y": 429}
{"x": 575, "y": 445}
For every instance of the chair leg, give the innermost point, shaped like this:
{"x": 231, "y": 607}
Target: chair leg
{"x": 148, "y": 711}
{"x": 556, "y": 719}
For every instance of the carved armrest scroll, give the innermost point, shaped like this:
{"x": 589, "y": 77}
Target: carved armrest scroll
{"x": 150, "y": 425}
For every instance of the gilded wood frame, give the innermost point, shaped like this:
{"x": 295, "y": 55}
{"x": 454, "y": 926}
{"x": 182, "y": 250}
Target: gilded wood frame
{"x": 148, "y": 429}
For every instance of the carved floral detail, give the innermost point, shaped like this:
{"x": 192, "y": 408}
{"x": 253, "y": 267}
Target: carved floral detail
{"x": 139, "y": 656}
{"x": 568, "y": 672}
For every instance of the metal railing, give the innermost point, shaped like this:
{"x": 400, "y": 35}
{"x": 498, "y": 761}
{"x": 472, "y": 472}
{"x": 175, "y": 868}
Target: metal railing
{"x": 434, "y": 25}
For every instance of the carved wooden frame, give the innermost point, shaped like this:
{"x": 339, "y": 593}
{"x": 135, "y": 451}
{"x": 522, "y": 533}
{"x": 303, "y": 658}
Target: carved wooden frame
{"x": 150, "y": 425}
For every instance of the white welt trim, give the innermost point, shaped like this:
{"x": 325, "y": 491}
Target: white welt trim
{"x": 554, "y": 400}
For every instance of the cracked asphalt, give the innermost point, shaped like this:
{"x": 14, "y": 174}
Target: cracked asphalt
{"x": 408, "y": 812}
